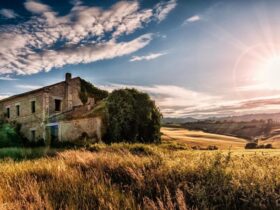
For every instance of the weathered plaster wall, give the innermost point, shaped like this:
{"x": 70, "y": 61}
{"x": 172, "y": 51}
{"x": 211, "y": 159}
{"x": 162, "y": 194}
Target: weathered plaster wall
{"x": 27, "y": 119}
{"x": 68, "y": 95}
{"x": 73, "y": 130}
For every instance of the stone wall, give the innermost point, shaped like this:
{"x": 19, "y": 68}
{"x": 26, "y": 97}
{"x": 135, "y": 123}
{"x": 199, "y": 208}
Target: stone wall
{"x": 74, "y": 129}
{"x": 68, "y": 93}
{"x": 28, "y": 120}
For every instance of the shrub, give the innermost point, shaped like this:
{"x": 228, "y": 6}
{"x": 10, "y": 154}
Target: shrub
{"x": 196, "y": 148}
{"x": 256, "y": 146}
{"x": 133, "y": 117}
{"x": 9, "y": 136}
{"x": 212, "y": 147}
{"x": 251, "y": 145}
{"x": 268, "y": 146}
{"x": 69, "y": 144}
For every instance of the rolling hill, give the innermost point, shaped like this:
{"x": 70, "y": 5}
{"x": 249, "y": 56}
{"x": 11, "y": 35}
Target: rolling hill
{"x": 201, "y": 139}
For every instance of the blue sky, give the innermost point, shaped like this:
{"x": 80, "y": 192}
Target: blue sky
{"x": 196, "y": 58}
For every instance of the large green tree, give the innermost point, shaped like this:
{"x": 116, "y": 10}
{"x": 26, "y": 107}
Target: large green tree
{"x": 132, "y": 117}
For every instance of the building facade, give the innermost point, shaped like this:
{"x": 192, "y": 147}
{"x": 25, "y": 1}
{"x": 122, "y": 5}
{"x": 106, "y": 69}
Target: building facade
{"x": 53, "y": 113}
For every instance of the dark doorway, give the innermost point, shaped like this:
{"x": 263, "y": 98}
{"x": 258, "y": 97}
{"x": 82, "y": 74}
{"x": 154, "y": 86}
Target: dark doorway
{"x": 53, "y": 134}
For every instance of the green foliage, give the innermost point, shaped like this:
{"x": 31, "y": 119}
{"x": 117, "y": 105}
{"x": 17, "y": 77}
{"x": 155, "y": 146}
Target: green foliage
{"x": 9, "y": 136}
{"x": 33, "y": 144}
{"x": 132, "y": 117}
{"x": 17, "y": 153}
{"x": 253, "y": 145}
{"x": 89, "y": 90}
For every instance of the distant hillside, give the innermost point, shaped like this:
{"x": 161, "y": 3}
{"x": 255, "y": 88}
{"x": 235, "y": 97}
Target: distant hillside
{"x": 246, "y": 130}
{"x": 170, "y": 120}
{"x": 241, "y": 118}
{"x": 250, "y": 117}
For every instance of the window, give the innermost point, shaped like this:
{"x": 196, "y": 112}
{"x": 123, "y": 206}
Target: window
{"x": 33, "y": 135}
{"x": 57, "y": 105}
{"x": 8, "y": 112}
{"x": 33, "y": 106}
{"x": 18, "y": 110}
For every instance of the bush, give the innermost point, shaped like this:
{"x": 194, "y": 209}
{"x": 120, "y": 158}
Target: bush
{"x": 132, "y": 117}
{"x": 251, "y": 146}
{"x": 212, "y": 147}
{"x": 9, "y": 136}
{"x": 256, "y": 146}
{"x": 268, "y": 146}
{"x": 32, "y": 144}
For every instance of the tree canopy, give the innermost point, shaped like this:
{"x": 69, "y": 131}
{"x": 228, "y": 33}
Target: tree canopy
{"x": 132, "y": 117}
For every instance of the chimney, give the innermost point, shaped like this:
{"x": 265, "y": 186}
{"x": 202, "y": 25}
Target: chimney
{"x": 68, "y": 92}
{"x": 68, "y": 76}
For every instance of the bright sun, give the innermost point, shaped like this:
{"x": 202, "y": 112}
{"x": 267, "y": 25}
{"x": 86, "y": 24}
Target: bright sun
{"x": 269, "y": 73}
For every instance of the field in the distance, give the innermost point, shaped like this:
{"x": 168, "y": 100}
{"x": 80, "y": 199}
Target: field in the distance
{"x": 201, "y": 139}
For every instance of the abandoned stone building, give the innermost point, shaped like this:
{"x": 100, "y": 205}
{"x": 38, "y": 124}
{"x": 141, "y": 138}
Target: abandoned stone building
{"x": 53, "y": 113}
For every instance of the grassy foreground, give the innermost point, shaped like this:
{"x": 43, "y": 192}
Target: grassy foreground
{"x": 138, "y": 176}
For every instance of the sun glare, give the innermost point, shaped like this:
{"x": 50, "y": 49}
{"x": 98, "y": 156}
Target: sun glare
{"x": 269, "y": 73}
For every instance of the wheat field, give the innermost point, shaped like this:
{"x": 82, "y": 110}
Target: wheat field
{"x": 201, "y": 139}
{"x": 137, "y": 176}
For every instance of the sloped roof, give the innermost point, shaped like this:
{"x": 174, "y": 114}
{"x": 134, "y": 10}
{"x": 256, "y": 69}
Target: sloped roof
{"x": 35, "y": 91}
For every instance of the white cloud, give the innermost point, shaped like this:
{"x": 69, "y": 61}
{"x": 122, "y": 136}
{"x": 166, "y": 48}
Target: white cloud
{"x": 164, "y": 8}
{"x": 8, "y": 13}
{"x": 192, "y": 19}
{"x": 36, "y": 7}
{"x": 83, "y": 54}
{"x": 2, "y": 97}
{"x": 148, "y": 57}
{"x": 8, "y": 78}
{"x": 28, "y": 87}
{"x": 86, "y": 34}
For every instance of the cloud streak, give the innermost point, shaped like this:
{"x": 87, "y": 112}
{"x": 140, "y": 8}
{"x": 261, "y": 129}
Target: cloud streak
{"x": 86, "y": 34}
{"x": 7, "y": 78}
{"x": 164, "y": 8}
{"x": 192, "y": 19}
{"x": 176, "y": 101}
{"x": 148, "y": 57}
{"x": 8, "y": 13}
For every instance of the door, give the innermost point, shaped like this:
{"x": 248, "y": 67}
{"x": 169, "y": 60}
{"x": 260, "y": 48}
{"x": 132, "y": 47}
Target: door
{"x": 53, "y": 134}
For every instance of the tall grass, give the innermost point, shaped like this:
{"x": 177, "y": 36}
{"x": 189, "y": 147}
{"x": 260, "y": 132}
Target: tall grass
{"x": 20, "y": 153}
{"x": 123, "y": 176}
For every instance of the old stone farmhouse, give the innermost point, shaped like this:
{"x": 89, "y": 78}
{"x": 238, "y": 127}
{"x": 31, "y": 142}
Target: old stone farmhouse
{"x": 53, "y": 113}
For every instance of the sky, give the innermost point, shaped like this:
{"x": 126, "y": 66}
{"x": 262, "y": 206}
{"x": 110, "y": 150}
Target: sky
{"x": 195, "y": 58}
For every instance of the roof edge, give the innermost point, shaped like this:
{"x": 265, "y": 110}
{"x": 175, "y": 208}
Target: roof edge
{"x": 36, "y": 90}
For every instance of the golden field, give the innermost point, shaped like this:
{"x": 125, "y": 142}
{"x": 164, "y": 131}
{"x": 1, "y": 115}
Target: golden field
{"x": 201, "y": 139}
{"x": 137, "y": 176}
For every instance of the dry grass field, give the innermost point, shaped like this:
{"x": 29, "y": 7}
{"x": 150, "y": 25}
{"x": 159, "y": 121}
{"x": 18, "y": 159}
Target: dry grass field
{"x": 274, "y": 140}
{"x": 167, "y": 176}
{"x": 201, "y": 139}
{"x": 137, "y": 176}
